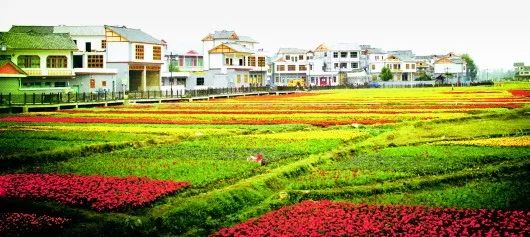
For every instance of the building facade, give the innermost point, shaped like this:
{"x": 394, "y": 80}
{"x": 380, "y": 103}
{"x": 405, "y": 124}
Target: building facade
{"x": 45, "y": 57}
{"x": 231, "y": 60}
{"x": 291, "y": 65}
{"x": 137, "y": 56}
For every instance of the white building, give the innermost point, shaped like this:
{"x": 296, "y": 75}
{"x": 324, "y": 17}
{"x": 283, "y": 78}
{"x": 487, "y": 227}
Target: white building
{"x": 451, "y": 68}
{"x": 90, "y": 62}
{"x": 291, "y": 64}
{"x": 182, "y": 71}
{"x": 137, "y": 56}
{"x": 231, "y": 60}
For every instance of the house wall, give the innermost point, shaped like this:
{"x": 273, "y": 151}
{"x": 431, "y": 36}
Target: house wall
{"x": 9, "y": 85}
{"x": 122, "y": 77}
{"x": 43, "y": 54}
{"x": 82, "y": 83}
{"x": 449, "y": 68}
{"x": 118, "y": 52}
{"x": 94, "y": 40}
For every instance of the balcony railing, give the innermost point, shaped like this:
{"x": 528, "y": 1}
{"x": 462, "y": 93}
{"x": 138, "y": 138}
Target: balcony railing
{"x": 49, "y": 72}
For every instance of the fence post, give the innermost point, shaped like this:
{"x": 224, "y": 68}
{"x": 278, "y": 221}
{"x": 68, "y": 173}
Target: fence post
{"x": 1, "y": 98}
{"x": 24, "y": 98}
{"x": 33, "y": 98}
{"x": 9, "y": 99}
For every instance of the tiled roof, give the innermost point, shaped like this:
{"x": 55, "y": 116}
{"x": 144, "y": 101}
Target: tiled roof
{"x": 292, "y": 51}
{"x": 247, "y": 39}
{"x": 134, "y": 35}
{"x": 81, "y": 30}
{"x": 37, "y": 41}
{"x": 19, "y": 70}
{"x": 34, "y": 29}
{"x": 223, "y": 34}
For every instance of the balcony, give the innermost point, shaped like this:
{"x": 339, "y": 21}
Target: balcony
{"x": 60, "y": 72}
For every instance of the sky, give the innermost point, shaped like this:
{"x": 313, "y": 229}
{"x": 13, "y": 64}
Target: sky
{"x": 495, "y": 33}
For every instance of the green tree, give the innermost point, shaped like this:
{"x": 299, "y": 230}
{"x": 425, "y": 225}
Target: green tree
{"x": 386, "y": 74}
{"x": 423, "y": 76}
{"x": 471, "y": 68}
{"x": 173, "y": 66}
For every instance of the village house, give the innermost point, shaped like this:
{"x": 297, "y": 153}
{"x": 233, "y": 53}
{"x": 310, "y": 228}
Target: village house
{"x": 450, "y": 68}
{"x": 137, "y": 56}
{"x": 89, "y": 62}
{"x": 521, "y": 71}
{"x": 181, "y": 71}
{"x": 231, "y": 60}
{"x": 45, "y": 57}
{"x": 291, "y": 65}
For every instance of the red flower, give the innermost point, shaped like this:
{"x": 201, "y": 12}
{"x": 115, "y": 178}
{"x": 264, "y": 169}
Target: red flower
{"x": 97, "y": 192}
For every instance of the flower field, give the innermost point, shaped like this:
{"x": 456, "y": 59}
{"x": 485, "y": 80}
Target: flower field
{"x": 24, "y": 224}
{"x": 96, "y": 192}
{"x": 384, "y": 162}
{"x": 325, "y": 218}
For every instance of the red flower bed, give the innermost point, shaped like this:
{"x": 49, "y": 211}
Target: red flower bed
{"x": 524, "y": 93}
{"x": 23, "y": 224}
{"x": 326, "y": 218}
{"x": 97, "y": 192}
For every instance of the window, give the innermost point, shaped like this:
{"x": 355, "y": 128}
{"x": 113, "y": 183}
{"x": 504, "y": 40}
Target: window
{"x": 281, "y": 67}
{"x": 139, "y": 51}
{"x": 252, "y": 61}
{"x": 238, "y": 79}
{"x": 103, "y": 44}
{"x": 291, "y": 68}
{"x": 88, "y": 47}
{"x": 335, "y": 54}
{"x": 407, "y": 66}
{"x": 373, "y": 66}
{"x": 301, "y": 57}
{"x": 336, "y": 65}
{"x": 287, "y": 57}
{"x": 92, "y": 83}
{"x": 157, "y": 53}
{"x": 228, "y": 61}
{"x": 56, "y": 62}
{"x": 241, "y": 62}
{"x": 353, "y": 54}
{"x": 95, "y": 61}
{"x": 60, "y": 84}
{"x": 343, "y": 54}
{"x": 28, "y": 61}
{"x": 246, "y": 78}
{"x": 354, "y": 65}
{"x": 325, "y": 54}
{"x": 200, "y": 81}
{"x": 104, "y": 83}
{"x": 302, "y": 68}
{"x": 261, "y": 61}
{"x": 413, "y": 66}
{"x": 343, "y": 65}
{"x": 395, "y": 66}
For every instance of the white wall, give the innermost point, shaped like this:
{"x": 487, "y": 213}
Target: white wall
{"x": 118, "y": 52}
{"x": 449, "y": 68}
{"x": 94, "y": 40}
{"x": 217, "y": 61}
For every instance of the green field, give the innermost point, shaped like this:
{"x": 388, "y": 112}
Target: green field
{"x": 426, "y": 146}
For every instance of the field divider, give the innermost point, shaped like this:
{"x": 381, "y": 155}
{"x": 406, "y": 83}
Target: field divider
{"x": 410, "y": 184}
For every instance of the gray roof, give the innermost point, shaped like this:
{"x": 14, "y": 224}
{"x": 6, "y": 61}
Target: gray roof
{"x": 223, "y": 34}
{"x": 292, "y": 51}
{"x": 375, "y": 51}
{"x": 32, "y": 40}
{"x": 34, "y": 29}
{"x": 134, "y": 35}
{"x": 80, "y": 30}
{"x": 247, "y": 39}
